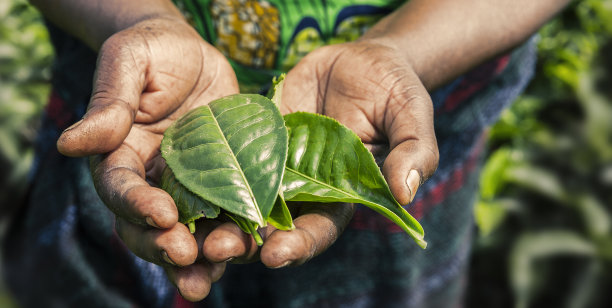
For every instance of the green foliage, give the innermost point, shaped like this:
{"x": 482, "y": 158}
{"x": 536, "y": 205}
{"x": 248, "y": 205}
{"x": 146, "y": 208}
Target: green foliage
{"x": 190, "y": 206}
{"x": 234, "y": 152}
{"x": 545, "y": 208}
{"x": 328, "y": 163}
{"x": 230, "y": 153}
{"x": 529, "y": 248}
{"x": 280, "y": 217}
{"x": 25, "y": 58}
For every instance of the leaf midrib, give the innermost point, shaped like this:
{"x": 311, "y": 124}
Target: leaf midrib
{"x": 329, "y": 186}
{"x": 413, "y": 232}
{"x": 261, "y": 220}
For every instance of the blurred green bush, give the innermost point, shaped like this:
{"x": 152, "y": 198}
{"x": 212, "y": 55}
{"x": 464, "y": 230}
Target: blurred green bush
{"x": 545, "y": 208}
{"x": 25, "y": 60}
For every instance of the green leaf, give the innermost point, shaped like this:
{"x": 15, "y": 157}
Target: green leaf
{"x": 280, "y": 217}
{"x": 240, "y": 222}
{"x": 190, "y": 207}
{"x": 231, "y": 153}
{"x": 276, "y": 90}
{"x": 328, "y": 163}
{"x": 493, "y": 176}
{"x": 490, "y": 215}
{"x": 531, "y": 247}
{"x": 247, "y": 227}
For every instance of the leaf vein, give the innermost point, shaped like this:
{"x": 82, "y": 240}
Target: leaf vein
{"x": 230, "y": 109}
{"x": 326, "y": 185}
{"x": 305, "y": 150}
{"x": 201, "y": 145}
{"x": 250, "y": 191}
{"x": 178, "y": 139}
{"x": 207, "y": 171}
{"x": 253, "y": 140}
{"x": 196, "y": 118}
{"x": 246, "y": 119}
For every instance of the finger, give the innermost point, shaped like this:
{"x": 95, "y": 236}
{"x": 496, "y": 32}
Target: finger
{"x": 317, "y": 228}
{"x": 119, "y": 178}
{"x": 203, "y": 228}
{"x": 194, "y": 281}
{"x": 414, "y": 152}
{"x": 118, "y": 82}
{"x": 229, "y": 243}
{"x": 174, "y": 246}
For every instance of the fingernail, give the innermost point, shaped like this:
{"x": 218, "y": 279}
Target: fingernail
{"x": 166, "y": 258}
{"x": 413, "y": 182}
{"x": 151, "y": 223}
{"x": 282, "y": 265}
{"x": 74, "y": 125}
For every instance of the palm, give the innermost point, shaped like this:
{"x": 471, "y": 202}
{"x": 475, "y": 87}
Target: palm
{"x": 177, "y": 80}
{"x": 363, "y": 88}
{"x": 372, "y": 89}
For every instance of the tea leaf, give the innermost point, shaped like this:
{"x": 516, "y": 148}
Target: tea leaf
{"x": 231, "y": 153}
{"x": 247, "y": 227}
{"x": 280, "y": 217}
{"x": 276, "y": 90}
{"x": 190, "y": 207}
{"x": 328, "y": 163}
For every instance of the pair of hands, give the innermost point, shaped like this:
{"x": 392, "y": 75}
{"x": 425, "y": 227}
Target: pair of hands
{"x": 150, "y": 74}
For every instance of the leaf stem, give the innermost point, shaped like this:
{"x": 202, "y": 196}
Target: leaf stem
{"x": 191, "y": 226}
{"x": 254, "y": 233}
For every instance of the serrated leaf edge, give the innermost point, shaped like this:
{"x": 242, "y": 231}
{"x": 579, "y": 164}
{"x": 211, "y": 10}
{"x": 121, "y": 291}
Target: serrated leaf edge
{"x": 261, "y": 221}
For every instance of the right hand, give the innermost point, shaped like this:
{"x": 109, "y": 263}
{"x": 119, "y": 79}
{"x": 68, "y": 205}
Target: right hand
{"x": 147, "y": 76}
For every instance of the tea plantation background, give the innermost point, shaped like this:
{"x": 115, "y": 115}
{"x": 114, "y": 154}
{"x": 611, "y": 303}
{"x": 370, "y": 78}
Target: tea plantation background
{"x": 545, "y": 209}
{"x": 25, "y": 58}
{"x": 544, "y": 217}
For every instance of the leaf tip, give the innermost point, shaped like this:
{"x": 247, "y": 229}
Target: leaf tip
{"x": 422, "y": 243}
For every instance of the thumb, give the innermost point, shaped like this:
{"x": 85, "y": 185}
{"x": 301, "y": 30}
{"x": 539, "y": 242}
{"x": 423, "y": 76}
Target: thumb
{"x": 407, "y": 167}
{"x": 414, "y": 151}
{"x": 118, "y": 83}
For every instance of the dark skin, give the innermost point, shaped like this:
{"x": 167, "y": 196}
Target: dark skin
{"x": 153, "y": 67}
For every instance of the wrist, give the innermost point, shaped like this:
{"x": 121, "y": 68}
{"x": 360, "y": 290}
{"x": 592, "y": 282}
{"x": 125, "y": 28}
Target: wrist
{"x": 125, "y": 22}
{"x": 94, "y": 21}
{"x": 393, "y": 31}
{"x": 444, "y": 39}
{"x": 408, "y": 55}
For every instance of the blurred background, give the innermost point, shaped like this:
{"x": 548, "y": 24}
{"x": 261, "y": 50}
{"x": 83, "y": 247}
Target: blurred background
{"x": 544, "y": 216}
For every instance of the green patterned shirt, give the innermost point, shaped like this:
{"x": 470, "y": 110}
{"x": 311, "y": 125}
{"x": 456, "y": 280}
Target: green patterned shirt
{"x": 262, "y": 39}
